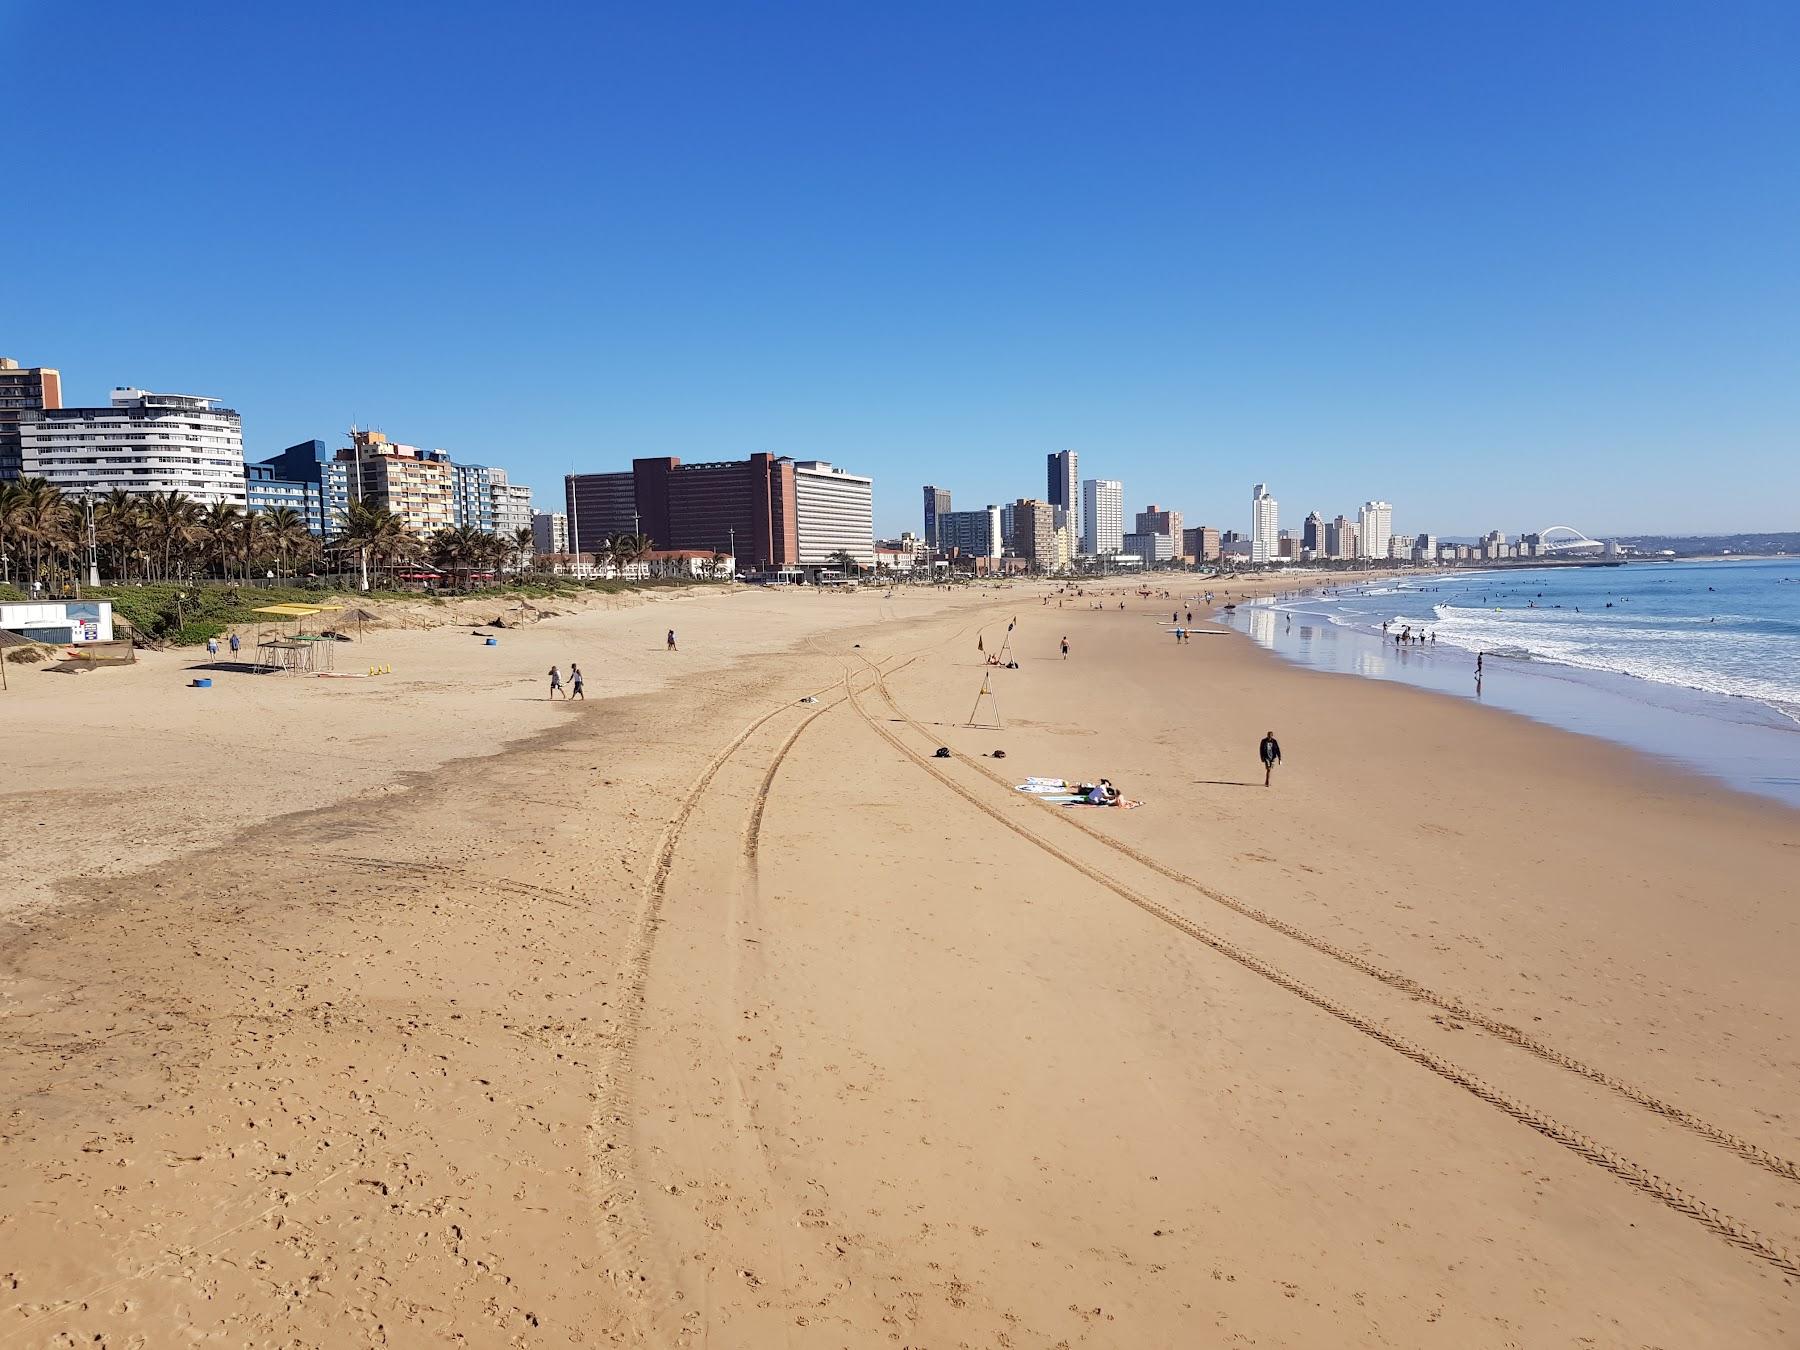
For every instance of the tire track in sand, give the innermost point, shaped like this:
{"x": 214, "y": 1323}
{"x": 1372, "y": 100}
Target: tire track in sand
{"x": 626, "y": 1245}
{"x": 1633, "y": 1174}
{"x": 1747, "y": 1149}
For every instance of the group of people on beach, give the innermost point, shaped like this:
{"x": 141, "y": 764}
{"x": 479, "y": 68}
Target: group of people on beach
{"x": 575, "y": 683}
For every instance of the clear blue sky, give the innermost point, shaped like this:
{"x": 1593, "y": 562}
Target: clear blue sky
{"x": 1504, "y": 265}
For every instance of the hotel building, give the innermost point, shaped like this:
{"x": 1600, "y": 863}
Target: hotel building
{"x": 1102, "y": 516}
{"x": 1264, "y": 524}
{"x": 972, "y": 534}
{"x": 1064, "y": 489}
{"x": 600, "y": 506}
{"x": 937, "y": 505}
{"x": 709, "y": 506}
{"x": 142, "y": 443}
{"x": 415, "y": 485}
{"x": 511, "y": 505}
{"x": 1374, "y": 527}
{"x": 834, "y": 511}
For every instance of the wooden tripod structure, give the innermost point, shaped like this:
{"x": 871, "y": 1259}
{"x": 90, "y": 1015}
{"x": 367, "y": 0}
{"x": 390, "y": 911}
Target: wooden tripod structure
{"x": 986, "y": 692}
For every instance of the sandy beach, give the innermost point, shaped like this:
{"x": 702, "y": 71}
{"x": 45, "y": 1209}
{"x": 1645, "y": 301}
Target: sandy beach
{"x": 719, "y": 1010}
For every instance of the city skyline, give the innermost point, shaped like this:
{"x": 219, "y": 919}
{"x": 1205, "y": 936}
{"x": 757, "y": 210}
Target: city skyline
{"x": 1361, "y": 295}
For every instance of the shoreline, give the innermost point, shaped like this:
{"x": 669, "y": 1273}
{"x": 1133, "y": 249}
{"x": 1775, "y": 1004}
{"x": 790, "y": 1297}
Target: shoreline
{"x": 1736, "y": 742}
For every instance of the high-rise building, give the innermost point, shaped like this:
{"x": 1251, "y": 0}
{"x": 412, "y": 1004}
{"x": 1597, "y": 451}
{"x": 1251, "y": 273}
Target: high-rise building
{"x": 1064, "y": 489}
{"x": 1034, "y": 532}
{"x": 746, "y": 503}
{"x": 1399, "y": 547}
{"x": 1312, "y": 534}
{"x": 1425, "y": 548}
{"x": 472, "y": 496}
{"x": 22, "y": 388}
{"x": 549, "y": 532}
{"x": 265, "y": 490}
{"x": 415, "y": 485}
{"x": 1340, "y": 538}
{"x": 143, "y": 443}
{"x": 972, "y": 534}
{"x": 937, "y": 504}
{"x": 834, "y": 512}
{"x": 1374, "y": 527}
{"x": 1154, "y": 520}
{"x": 1102, "y": 516}
{"x": 511, "y": 504}
{"x": 1286, "y": 546}
{"x": 601, "y": 506}
{"x": 1264, "y": 522}
{"x": 1201, "y": 543}
{"x": 317, "y": 464}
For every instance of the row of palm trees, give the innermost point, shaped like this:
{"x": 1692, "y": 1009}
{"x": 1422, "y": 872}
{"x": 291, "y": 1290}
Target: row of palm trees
{"x": 44, "y": 535}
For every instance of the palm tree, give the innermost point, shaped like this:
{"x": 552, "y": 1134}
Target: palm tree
{"x": 372, "y": 531}
{"x": 218, "y": 527}
{"x": 12, "y": 501}
{"x": 172, "y": 524}
{"x": 119, "y": 529}
{"x": 844, "y": 563}
{"x": 286, "y": 533}
{"x": 459, "y": 550}
{"x": 520, "y": 550}
{"x": 630, "y": 548}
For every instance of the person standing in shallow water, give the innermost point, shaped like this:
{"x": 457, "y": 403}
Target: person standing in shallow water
{"x": 1270, "y": 752}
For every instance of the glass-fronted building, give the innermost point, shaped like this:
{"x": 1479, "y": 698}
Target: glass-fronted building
{"x": 265, "y": 490}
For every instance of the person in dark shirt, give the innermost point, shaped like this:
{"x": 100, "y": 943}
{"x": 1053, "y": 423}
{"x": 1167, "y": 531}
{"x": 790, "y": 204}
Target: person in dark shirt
{"x": 1270, "y": 751}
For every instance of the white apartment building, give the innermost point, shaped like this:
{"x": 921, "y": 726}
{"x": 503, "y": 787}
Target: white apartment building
{"x": 1374, "y": 527}
{"x": 512, "y": 505}
{"x": 834, "y": 511}
{"x": 1102, "y": 516}
{"x": 1151, "y": 549}
{"x": 549, "y": 532}
{"x": 1264, "y": 525}
{"x": 143, "y": 443}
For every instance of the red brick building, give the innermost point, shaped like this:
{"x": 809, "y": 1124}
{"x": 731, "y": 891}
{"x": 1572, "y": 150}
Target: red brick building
{"x": 745, "y": 504}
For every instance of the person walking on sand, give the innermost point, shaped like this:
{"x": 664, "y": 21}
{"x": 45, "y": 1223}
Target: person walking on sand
{"x": 672, "y": 646}
{"x": 575, "y": 682}
{"x": 235, "y": 644}
{"x": 1065, "y": 646}
{"x": 1270, "y": 751}
{"x": 555, "y": 682}
{"x": 212, "y": 646}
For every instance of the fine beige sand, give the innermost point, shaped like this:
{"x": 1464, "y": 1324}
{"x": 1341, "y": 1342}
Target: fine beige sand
{"x": 419, "y": 1010}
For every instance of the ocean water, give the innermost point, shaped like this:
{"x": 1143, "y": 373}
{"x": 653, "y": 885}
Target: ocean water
{"x": 1696, "y": 662}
